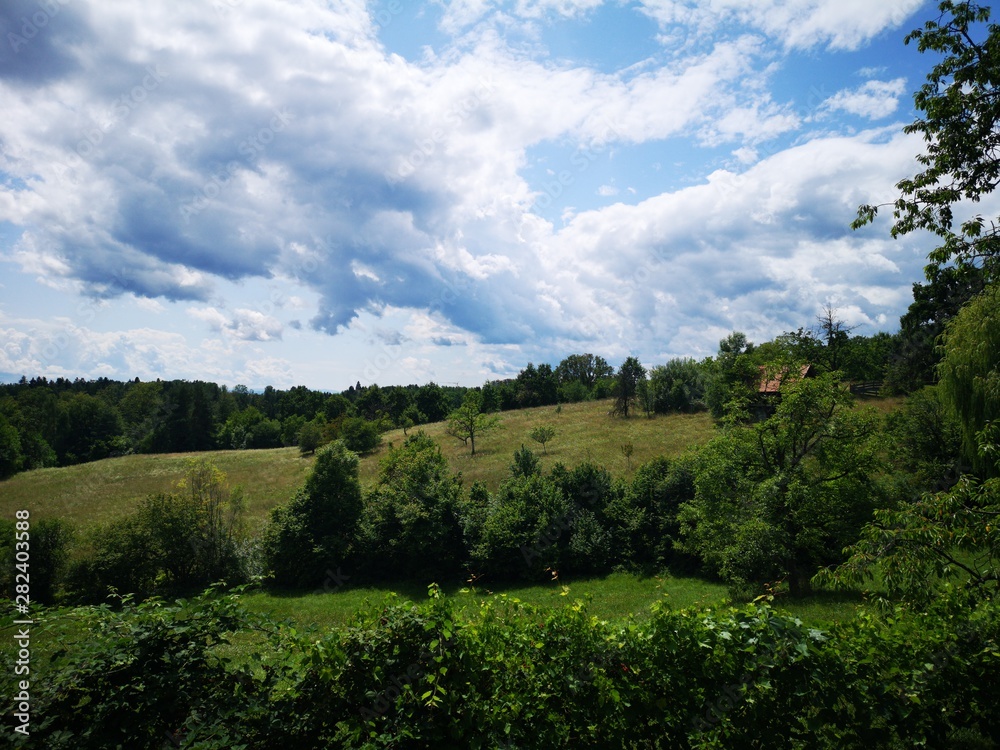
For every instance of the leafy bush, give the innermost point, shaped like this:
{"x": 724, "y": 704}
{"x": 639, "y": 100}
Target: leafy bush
{"x": 525, "y": 530}
{"x": 410, "y": 526}
{"x": 505, "y": 674}
{"x": 525, "y": 464}
{"x": 928, "y": 440}
{"x": 49, "y": 541}
{"x": 315, "y": 531}
{"x": 360, "y": 435}
{"x": 175, "y": 541}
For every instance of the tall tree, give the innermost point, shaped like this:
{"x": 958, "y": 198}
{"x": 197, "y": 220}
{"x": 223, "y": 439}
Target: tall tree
{"x": 586, "y": 369}
{"x": 970, "y": 371}
{"x": 630, "y": 374}
{"x": 782, "y": 497}
{"x": 835, "y": 334}
{"x": 960, "y": 123}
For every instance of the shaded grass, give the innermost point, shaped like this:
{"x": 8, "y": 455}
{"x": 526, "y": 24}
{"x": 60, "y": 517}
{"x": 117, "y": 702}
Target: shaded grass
{"x": 615, "y": 597}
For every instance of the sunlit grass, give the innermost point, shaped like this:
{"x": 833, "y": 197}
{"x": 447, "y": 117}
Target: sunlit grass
{"x": 584, "y": 432}
{"x": 101, "y": 490}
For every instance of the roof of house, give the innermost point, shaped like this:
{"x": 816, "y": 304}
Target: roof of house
{"x": 771, "y": 385}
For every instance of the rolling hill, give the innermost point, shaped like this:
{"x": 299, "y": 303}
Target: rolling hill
{"x": 96, "y": 492}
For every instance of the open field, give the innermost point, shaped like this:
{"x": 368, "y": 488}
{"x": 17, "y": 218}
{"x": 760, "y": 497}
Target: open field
{"x": 584, "y": 432}
{"x": 98, "y": 491}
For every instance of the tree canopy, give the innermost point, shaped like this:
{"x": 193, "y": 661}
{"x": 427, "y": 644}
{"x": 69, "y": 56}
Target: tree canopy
{"x": 959, "y": 120}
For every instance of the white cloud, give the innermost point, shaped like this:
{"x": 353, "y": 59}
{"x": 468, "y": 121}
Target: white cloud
{"x": 873, "y": 99}
{"x": 796, "y": 24}
{"x": 368, "y": 188}
{"x": 243, "y": 324}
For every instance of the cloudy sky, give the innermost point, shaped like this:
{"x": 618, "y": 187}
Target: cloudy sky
{"x": 400, "y": 191}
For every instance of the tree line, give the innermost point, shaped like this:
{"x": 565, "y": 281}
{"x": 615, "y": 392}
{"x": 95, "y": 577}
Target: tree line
{"x": 62, "y": 422}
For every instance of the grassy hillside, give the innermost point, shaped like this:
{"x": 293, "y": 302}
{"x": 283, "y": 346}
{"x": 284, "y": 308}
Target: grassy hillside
{"x": 98, "y": 491}
{"x": 101, "y": 490}
{"x": 584, "y": 431}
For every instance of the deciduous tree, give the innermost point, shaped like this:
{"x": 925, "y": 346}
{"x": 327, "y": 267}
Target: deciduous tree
{"x": 468, "y": 421}
{"x": 960, "y": 122}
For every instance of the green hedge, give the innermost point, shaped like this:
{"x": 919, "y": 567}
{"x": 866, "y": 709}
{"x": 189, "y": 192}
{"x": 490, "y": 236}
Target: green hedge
{"x": 509, "y": 675}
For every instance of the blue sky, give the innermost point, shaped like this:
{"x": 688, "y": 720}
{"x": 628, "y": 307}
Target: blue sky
{"x": 266, "y": 192}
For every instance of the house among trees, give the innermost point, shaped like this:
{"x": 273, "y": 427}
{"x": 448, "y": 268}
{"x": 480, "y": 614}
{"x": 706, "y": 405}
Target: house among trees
{"x": 769, "y": 387}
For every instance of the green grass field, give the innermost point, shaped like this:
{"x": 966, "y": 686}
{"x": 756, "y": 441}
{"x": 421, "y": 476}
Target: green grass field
{"x": 584, "y": 432}
{"x": 95, "y": 492}
{"x": 613, "y": 597}
{"x": 98, "y": 491}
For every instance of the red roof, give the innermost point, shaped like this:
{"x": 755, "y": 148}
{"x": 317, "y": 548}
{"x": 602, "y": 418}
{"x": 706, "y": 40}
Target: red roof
{"x": 771, "y": 385}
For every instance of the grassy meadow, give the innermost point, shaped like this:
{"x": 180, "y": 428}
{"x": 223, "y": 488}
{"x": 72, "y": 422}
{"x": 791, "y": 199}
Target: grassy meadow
{"x": 91, "y": 493}
{"x": 95, "y": 492}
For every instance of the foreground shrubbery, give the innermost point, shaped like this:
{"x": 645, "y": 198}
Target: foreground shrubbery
{"x": 508, "y": 675}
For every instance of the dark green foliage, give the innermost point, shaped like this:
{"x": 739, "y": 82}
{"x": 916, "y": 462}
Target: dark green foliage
{"x": 536, "y": 386}
{"x": 782, "y": 497}
{"x": 433, "y": 402}
{"x": 177, "y": 541}
{"x": 585, "y": 369}
{"x": 943, "y": 540}
{"x": 410, "y": 527}
{"x": 733, "y": 376}
{"x": 927, "y": 441}
{"x": 970, "y": 372}
{"x": 250, "y": 429}
{"x": 336, "y": 406}
{"x": 915, "y": 355}
{"x": 524, "y": 532}
{"x": 360, "y": 435}
{"x": 678, "y": 386}
{"x": 49, "y": 541}
{"x": 291, "y": 428}
{"x": 114, "y": 555}
{"x": 310, "y": 437}
{"x": 526, "y": 463}
{"x": 147, "y": 676}
{"x": 315, "y": 531}
{"x": 508, "y": 675}
{"x": 657, "y": 491}
{"x": 11, "y": 457}
{"x": 626, "y": 388}
{"x": 87, "y": 429}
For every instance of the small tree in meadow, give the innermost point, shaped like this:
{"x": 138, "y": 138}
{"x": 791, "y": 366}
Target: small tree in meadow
{"x": 469, "y": 421}
{"x": 543, "y": 434}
